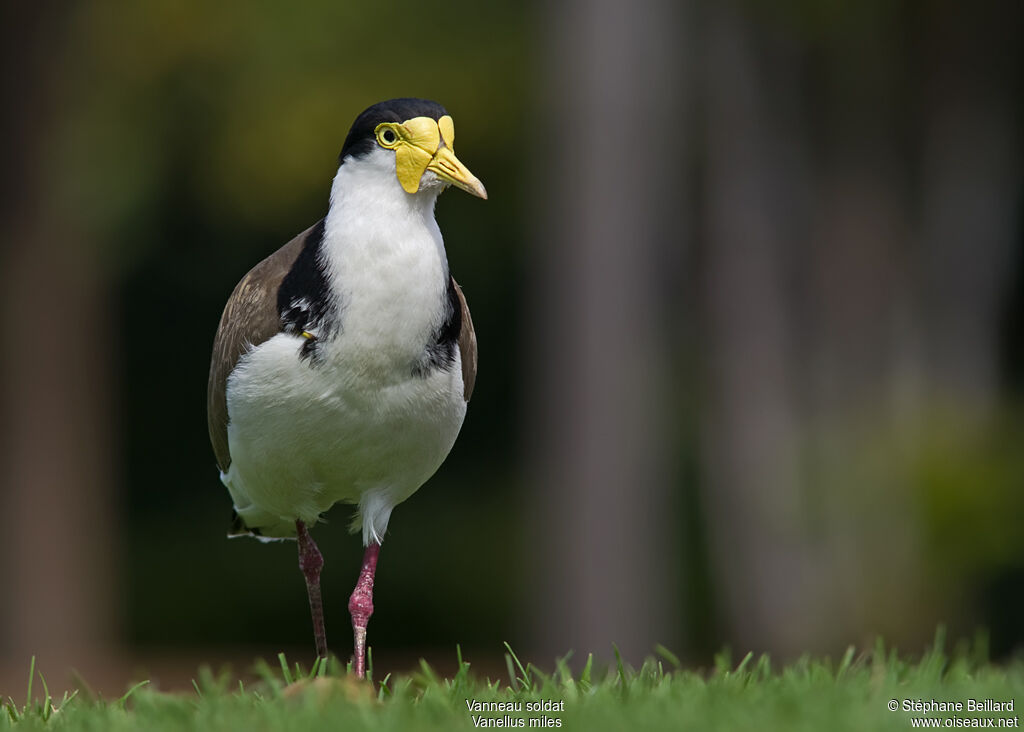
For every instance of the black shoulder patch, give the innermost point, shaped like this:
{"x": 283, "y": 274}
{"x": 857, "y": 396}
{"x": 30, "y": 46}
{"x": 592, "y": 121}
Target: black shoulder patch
{"x": 305, "y": 302}
{"x": 440, "y": 351}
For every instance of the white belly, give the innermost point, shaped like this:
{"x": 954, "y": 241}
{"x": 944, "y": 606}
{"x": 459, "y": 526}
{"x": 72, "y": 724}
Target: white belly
{"x": 353, "y": 424}
{"x": 305, "y": 435}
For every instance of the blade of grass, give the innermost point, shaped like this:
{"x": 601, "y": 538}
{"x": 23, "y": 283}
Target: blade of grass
{"x": 564, "y": 672}
{"x": 66, "y": 699}
{"x": 619, "y": 666}
{"x": 526, "y": 680}
{"x": 538, "y": 679}
{"x": 123, "y": 701}
{"x": 428, "y": 676}
{"x": 585, "y": 676}
{"x": 763, "y": 670}
{"x": 668, "y": 655}
{"x": 384, "y": 690}
{"x": 743, "y": 664}
{"x": 47, "y": 701}
{"x": 284, "y": 668}
{"x": 319, "y": 668}
{"x": 31, "y": 674}
{"x": 461, "y": 679}
{"x": 511, "y": 672}
{"x": 12, "y": 709}
{"x": 845, "y": 663}
{"x": 723, "y": 662}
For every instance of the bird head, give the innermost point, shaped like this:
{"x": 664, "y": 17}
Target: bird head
{"x": 415, "y": 138}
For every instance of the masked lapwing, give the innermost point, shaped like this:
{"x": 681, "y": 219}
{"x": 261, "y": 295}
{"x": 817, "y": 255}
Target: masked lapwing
{"x": 344, "y": 361}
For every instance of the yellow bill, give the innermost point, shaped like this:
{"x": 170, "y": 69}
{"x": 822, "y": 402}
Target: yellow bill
{"x": 418, "y": 147}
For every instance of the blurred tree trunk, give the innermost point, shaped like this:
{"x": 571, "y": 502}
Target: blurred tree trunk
{"x": 609, "y": 136}
{"x": 762, "y": 558}
{"x": 57, "y": 521}
{"x": 863, "y": 337}
{"x": 841, "y": 310}
{"x": 972, "y": 193}
{"x": 906, "y": 292}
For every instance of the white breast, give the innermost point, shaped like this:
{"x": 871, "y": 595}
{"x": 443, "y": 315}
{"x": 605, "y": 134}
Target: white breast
{"x": 387, "y": 259}
{"x": 353, "y": 424}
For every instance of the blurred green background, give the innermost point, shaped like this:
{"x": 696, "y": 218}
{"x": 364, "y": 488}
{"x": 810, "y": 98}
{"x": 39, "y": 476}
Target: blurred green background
{"x": 749, "y": 292}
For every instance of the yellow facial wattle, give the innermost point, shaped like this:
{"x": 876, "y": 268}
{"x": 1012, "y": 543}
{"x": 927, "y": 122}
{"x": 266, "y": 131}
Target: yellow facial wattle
{"x": 418, "y": 147}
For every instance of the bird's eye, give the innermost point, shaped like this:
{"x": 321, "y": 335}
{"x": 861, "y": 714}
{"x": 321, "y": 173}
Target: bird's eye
{"x": 386, "y": 136}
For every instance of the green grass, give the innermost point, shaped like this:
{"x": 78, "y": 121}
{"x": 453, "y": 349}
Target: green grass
{"x": 849, "y": 694}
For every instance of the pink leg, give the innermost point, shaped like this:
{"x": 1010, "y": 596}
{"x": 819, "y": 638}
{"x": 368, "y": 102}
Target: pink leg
{"x": 360, "y": 606}
{"x": 311, "y": 561}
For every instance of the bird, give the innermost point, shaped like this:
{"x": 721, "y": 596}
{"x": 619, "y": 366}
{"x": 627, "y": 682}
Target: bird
{"x": 344, "y": 362}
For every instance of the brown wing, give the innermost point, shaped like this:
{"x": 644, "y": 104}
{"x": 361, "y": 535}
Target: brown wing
{"x": 467, "y": 346}
{"x": 249, "y": 319}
